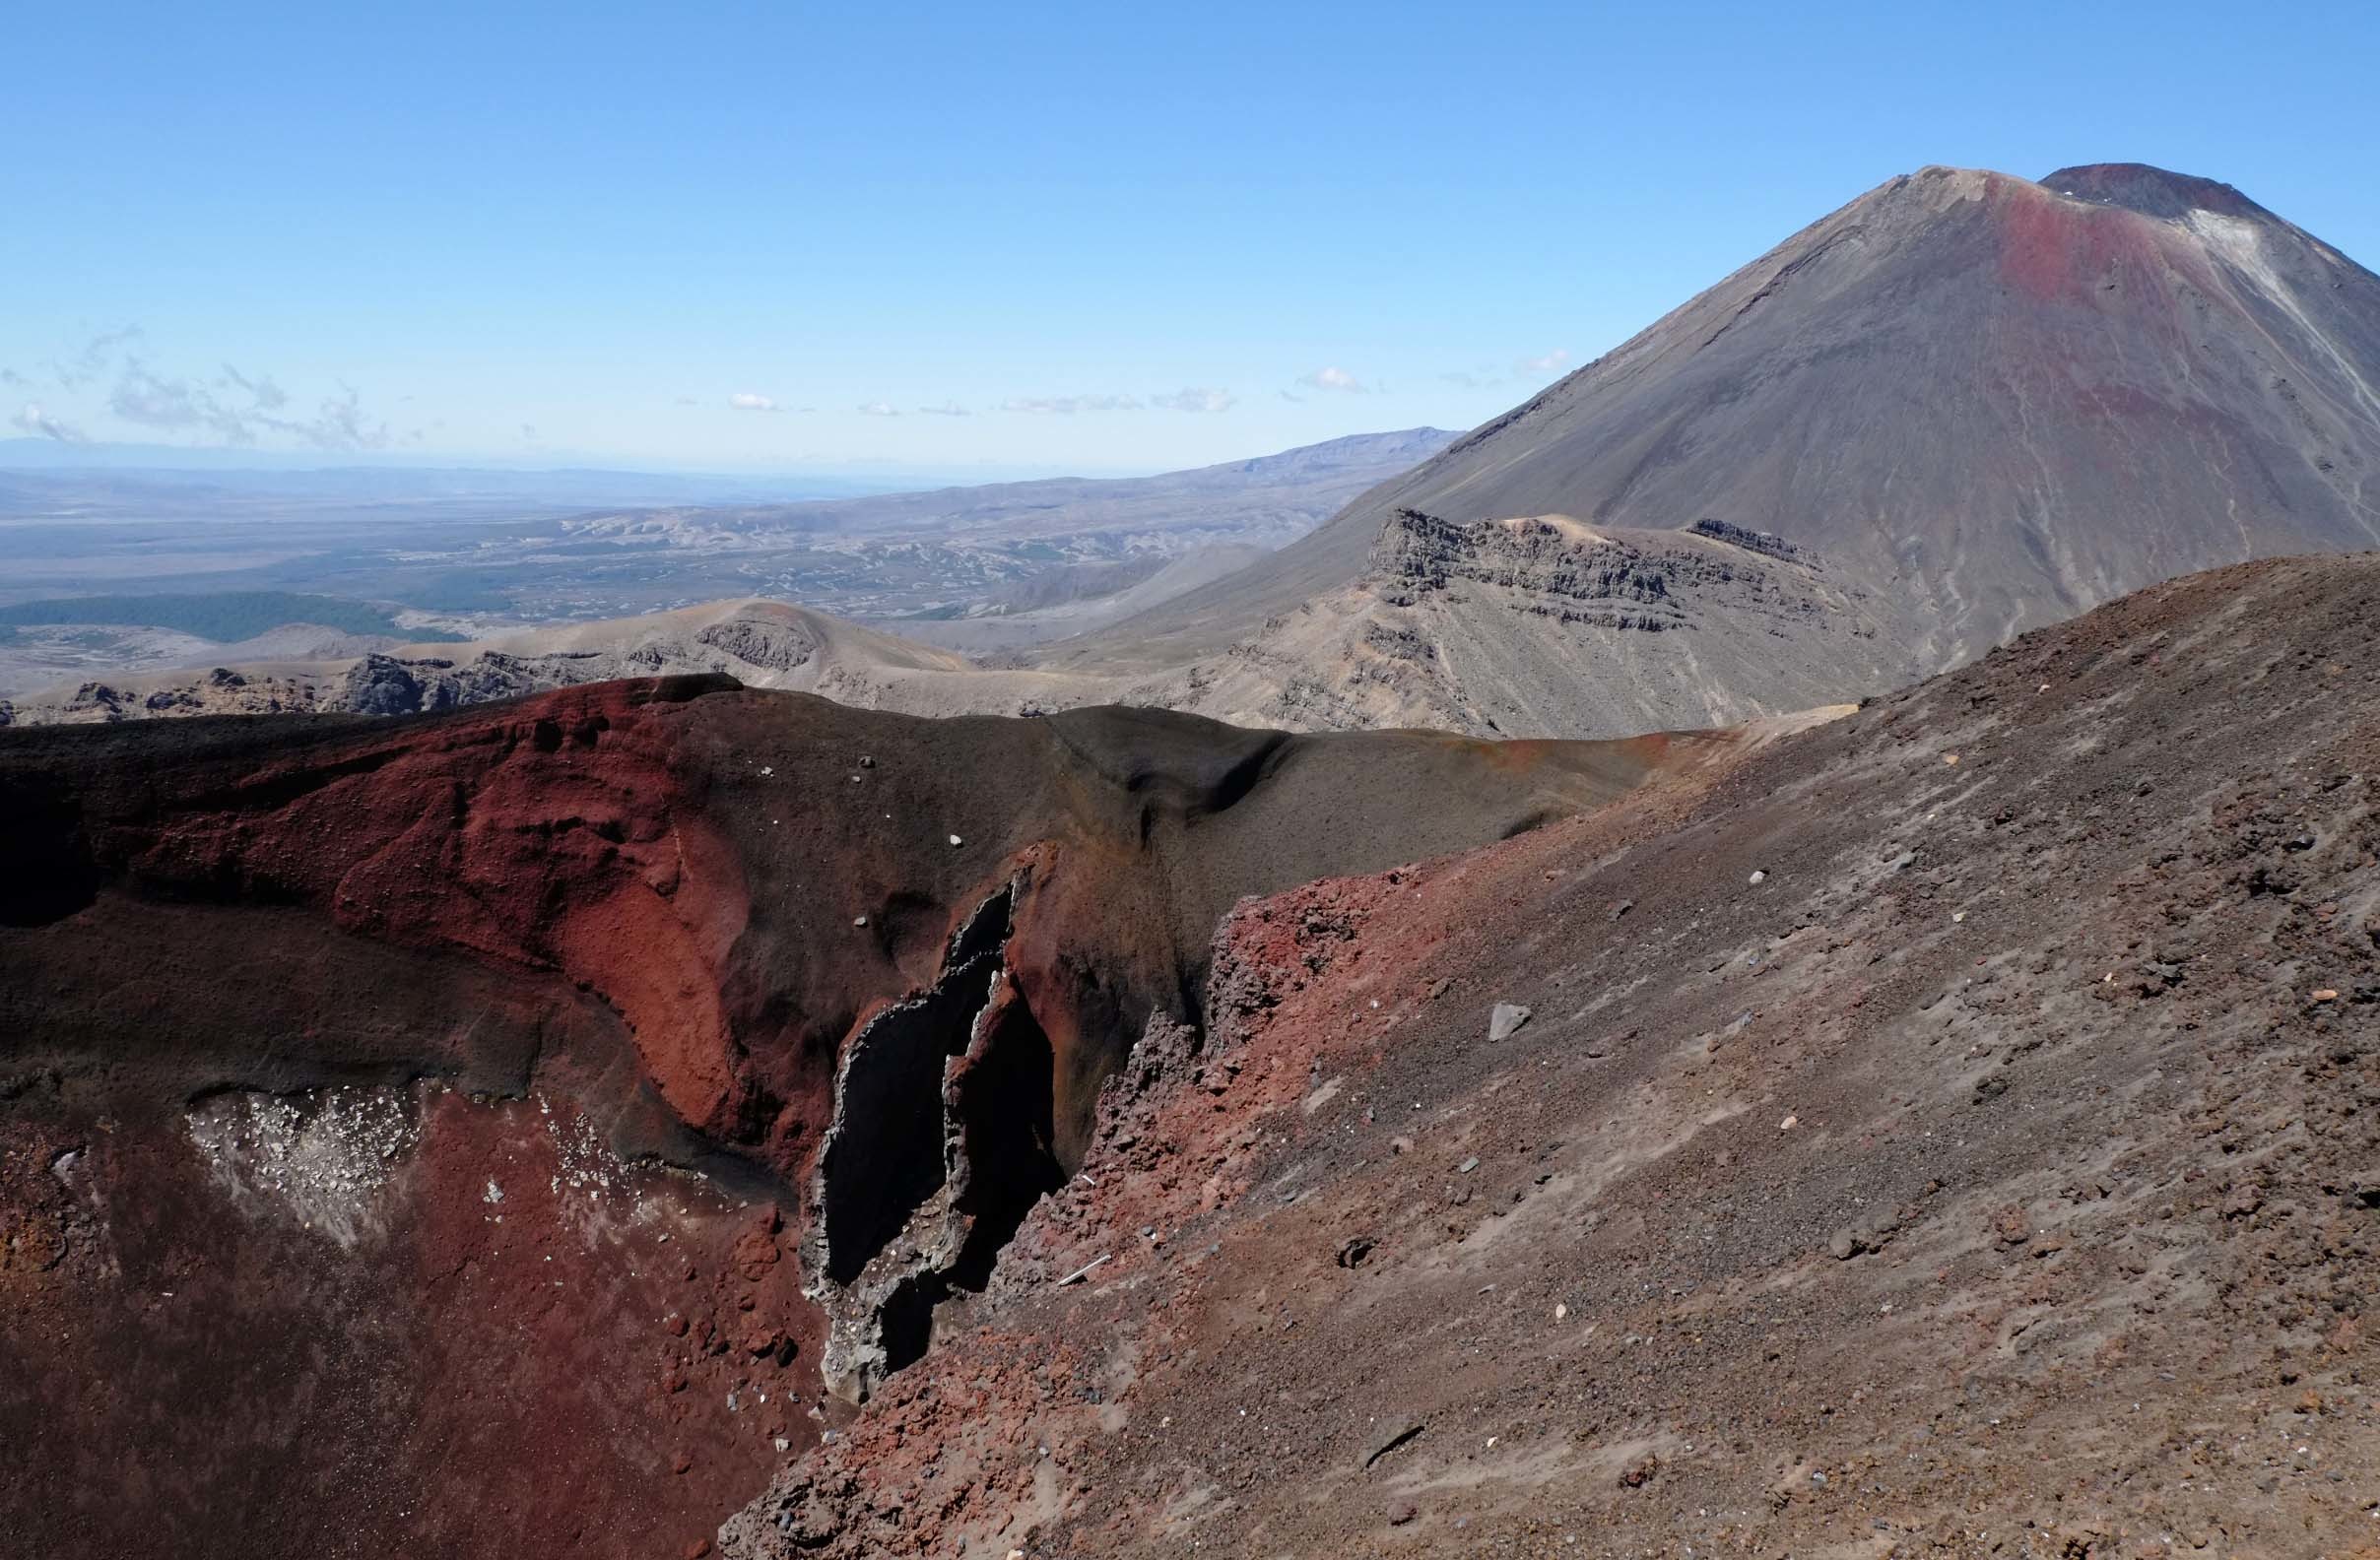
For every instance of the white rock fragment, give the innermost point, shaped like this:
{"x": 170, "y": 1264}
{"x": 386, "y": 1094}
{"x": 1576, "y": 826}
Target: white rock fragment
{"x": 1085, "y": 1271}
{"x": 321, "y": 1159}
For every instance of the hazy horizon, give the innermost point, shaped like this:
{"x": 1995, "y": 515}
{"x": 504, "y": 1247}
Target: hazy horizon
{"x": 833, "y": 477}
{"x": 791, "y": 241}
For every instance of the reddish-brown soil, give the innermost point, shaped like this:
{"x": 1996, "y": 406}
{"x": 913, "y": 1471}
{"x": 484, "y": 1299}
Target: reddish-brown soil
{"x": 409, "y": 1129}
{"x": 1954, "y": 1132}
{"x": 1953, "y": 1129}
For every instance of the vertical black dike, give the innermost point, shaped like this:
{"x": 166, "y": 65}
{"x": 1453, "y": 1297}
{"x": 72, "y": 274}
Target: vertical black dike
{"x": 885, "y": 1158}
{"x": 942, "y": 1143}
{"x": 1001, "y": 1108}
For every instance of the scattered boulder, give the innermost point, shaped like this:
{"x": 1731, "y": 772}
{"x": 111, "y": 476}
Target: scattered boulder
{"x": 1505, "y": 1021}
{"x": 1406, "y": 1431}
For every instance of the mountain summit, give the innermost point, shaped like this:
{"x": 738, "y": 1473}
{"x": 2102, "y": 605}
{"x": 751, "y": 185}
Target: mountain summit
{"x": 2151, "y": 191}
{"x": 1971, "y": 403}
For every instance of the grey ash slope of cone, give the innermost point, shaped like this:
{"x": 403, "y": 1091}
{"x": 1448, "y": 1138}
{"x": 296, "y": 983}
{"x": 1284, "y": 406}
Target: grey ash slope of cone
{"x": 1970, "y": 403}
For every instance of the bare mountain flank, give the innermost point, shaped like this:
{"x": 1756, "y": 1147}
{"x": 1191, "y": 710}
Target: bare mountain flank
{"x": 1972, "y": 404}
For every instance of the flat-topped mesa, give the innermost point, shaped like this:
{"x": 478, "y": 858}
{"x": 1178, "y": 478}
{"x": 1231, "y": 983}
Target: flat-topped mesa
{"x": 1621, "y": 577}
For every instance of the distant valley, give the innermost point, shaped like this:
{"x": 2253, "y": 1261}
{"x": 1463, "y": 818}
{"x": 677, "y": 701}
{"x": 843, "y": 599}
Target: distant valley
{"x": 980, "y": 569}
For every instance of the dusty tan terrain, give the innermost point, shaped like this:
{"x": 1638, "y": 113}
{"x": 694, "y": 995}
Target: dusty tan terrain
{"x": 1545, "y": 625}
{"x": 760, "y": 643}
{"x": 1532, "y": 627}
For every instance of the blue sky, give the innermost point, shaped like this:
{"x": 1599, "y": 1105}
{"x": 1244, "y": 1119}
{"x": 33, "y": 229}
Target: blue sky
{"x": 1097, "y": 237}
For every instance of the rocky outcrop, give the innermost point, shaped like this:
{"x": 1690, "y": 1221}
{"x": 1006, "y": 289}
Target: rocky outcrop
{"x": 386, "y": 684}
{"x": 760, "y": 643}
{"x": 1558, "y": 568}
{"x": 776, "y": 646}
{"x": 1749, "y": 541}
{"x": 1534, "y": 626}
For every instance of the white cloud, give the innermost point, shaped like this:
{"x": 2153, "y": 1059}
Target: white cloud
{"x": 1544, "y": 362}
{"x": 261, "y": 390}
{"x": 878, "y": 409}
{"x": 746, "y": 401}
{"x": 148, "y": 399}
{"x": 1334, "y": 379}
{"x": 1068, "y": 405}
{"x": 33, "y": 419}
{"x": 1195, "y": 401}
{"x": 10, "y": 376}
{"x": 92, "y": 362}
{"x": 682, "y": 400}
{"x": 339, "y": 424}
{"x": 947, "y": 409}
{"x": 144, "y": 398}
{"x": 529, "y": 431}
{"x": 1467, "y": 381}
{"x": 1298, "y": 399}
